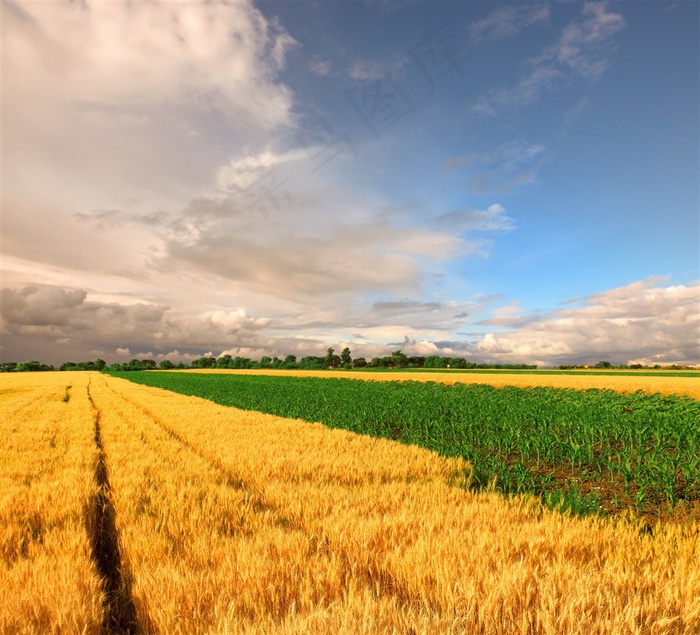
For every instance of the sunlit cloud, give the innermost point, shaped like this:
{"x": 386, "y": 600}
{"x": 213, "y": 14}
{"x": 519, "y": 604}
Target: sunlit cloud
{"x": 640, "y": 321}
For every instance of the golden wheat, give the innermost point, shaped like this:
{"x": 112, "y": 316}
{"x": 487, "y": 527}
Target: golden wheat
{"x": 240, "y": 522}
{"x": 332, "y": 532}
{"x": 687, "y": 385}
{"x": 48, "y": 582}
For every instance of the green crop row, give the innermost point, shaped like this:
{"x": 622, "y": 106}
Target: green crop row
{"x": 587, "y": 451}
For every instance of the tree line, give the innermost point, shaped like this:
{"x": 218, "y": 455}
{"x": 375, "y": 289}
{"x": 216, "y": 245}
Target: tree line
{"x": 605, "y": 365}
{"x": 330, "y": 360}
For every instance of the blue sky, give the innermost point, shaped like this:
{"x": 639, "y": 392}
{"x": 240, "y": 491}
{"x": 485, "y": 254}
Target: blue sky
{"x": 504, "y": 182}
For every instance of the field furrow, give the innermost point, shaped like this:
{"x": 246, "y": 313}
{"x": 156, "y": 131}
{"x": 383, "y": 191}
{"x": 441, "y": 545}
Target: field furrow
{"x": 204, "y": 551}
{"x": 49, "y": 583}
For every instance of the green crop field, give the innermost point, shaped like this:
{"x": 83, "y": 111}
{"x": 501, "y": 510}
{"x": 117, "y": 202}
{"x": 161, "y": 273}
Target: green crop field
{"x": 593, "y": 451}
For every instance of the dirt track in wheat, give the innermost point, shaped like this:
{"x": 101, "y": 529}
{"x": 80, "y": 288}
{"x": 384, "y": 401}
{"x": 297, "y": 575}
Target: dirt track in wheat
{"x": 239, "y": 522}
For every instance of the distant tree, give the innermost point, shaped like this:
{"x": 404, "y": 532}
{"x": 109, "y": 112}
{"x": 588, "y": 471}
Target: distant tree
{"x": 8, "y": 367}
{"x": 265, "y": 362}
{"x": 242, "y": 362}
{"x": 166, "y": 364}
{"x": 290, "y": 359}
{"x": 204, "y": 362}
{"x": 224, "y": 361}
{"x": 359, "y": 362}
{"x": 458, "y": 362}
{"x": 603, "y": 364}
{"x": 100, "y": 364}
{"x": 345, "y": 357}
{"x": 331, "y": 360}
{"x": 312, "y": 363}
{"x": 399, "y": 360}
{"x": 436, "y": 361}
{"x": 29, "y": 367}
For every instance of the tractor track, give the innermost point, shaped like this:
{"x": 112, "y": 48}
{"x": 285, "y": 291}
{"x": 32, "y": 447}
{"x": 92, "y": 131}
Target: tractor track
{"x": 378, "y": 579}
{"x": 119, "y": 608}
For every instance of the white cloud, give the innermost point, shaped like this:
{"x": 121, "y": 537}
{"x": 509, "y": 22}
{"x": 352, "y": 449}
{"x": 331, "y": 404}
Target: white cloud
{"x": 141, "y": 99}
{"x": 502, "y": 169}
{"x": 492, "y": 219}
{"x": 364, "y": 69}
{"x": 291, "y": 258}
{"x": 583, "y": 46}
{"x": 238, "y": 175}
{"x": 582, "y": 52}
{"x": 642, "y": 320}
{"x": 132, "y": 55}
{"x": 320, "y": 66}
{"x": 508, "y": 20}
{"x": 114, "y": 116}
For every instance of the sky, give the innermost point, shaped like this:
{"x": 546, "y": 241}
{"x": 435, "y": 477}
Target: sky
{"x": 509, "y": 183}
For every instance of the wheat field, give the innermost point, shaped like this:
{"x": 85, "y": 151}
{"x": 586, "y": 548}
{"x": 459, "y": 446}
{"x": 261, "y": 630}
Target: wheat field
{"x": 229, "y": 521}
{"x": 48, "y": 581}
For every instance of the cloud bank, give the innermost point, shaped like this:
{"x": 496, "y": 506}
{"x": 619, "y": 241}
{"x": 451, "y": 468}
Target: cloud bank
{"x": 639, "y": 323}
{"x": 643, "y": 322}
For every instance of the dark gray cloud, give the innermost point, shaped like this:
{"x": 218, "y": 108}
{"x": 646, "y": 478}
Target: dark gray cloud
{"x": 63, "y": 322}
{"x": 47, "y": 306}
